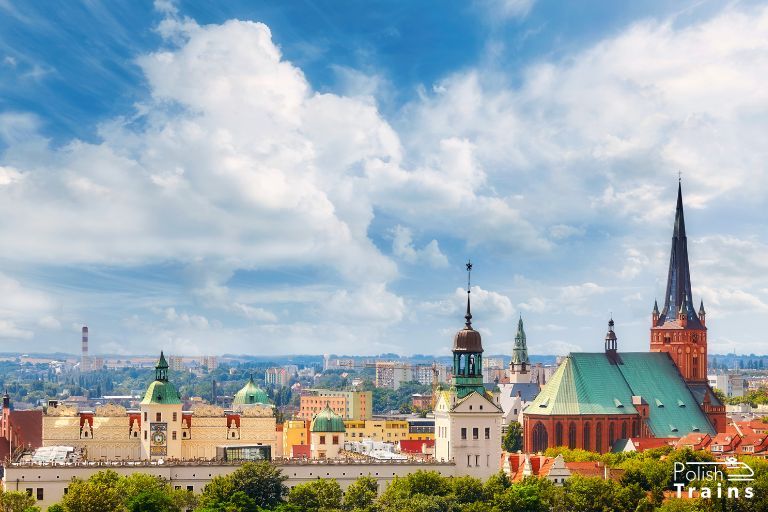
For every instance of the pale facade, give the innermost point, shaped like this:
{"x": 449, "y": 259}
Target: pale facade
{"x": 468, "y": 432}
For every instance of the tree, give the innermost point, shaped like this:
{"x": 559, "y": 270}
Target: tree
{"x": 100, "y": 492}
{"x": 316, "y": 495}
{"x": 513, "y": 439}
{"x": 361, "y": 494}
{"x": 496, "y": 484}
{"x": 467, "y": 489}
{"x": 260, "y": 482}
{"x": 16, "y": 501}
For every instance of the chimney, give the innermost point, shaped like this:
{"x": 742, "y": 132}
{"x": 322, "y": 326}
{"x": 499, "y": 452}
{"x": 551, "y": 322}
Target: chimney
{"x": 84, "y": 355}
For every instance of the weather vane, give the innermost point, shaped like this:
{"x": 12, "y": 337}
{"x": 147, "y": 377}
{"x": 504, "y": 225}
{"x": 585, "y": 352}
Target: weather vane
{"x": 469, "y": 273}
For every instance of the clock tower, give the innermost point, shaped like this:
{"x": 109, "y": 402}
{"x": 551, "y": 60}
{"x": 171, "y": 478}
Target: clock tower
{"x": 161, "y": 417}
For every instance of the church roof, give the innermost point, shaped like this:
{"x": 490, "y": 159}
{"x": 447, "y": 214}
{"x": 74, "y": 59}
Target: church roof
{"x": 250, "y": 394}
{"x": 587, "y": 383}
{"x": 678, "y": 297}
{"x": 528, "y": 390}
{"x": 161, "y": 392}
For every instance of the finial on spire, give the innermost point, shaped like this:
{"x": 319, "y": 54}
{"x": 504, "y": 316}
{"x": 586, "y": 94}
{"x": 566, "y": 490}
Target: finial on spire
{"x": 679, "y": 176}
{"x": 468, "y": 316}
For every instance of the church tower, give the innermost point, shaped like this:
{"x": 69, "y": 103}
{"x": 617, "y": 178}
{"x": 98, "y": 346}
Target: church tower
{"x": 677, "y": 329}
{"x": 519, "y": 367}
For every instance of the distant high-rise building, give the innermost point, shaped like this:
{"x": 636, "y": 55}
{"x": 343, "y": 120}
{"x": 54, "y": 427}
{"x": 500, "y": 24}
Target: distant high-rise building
{"x": 277, "y": 377}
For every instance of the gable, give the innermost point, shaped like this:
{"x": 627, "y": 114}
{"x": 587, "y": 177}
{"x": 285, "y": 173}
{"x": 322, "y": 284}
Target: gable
{"x": 476, "y": 403}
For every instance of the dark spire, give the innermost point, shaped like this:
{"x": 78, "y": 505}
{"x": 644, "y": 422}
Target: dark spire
{"x": 678, "y": 298}
{"x": 655, "y": 307}
{"x": 611, "y": 344}
{"x": 161, "y": 370}
{"x": 701, "y": 308}
{"x": 468, "y": 316}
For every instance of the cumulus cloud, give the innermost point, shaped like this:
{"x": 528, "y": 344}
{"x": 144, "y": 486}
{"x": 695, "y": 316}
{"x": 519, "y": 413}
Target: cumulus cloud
{"x": 486, "y": 303}
{"x": 402, "y": 247}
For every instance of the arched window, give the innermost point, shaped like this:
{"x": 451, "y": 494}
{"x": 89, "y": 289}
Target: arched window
{"x": 635, "y": 428}
{"x": 572, "y": 436}
{"x": 624, "y": 430}
{"x": 540, "y": 441}
{"x": 599, "y": 438}
{"x": 611, "y": 435}
{"x": 695, "y": 366}
{"x": 587, "y": 442}
{"x": 558, "y": 434}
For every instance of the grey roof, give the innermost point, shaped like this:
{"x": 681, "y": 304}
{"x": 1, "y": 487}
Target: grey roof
{"x": 528, "y": 390}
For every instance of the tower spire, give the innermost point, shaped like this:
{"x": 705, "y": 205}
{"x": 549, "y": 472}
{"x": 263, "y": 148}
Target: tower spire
{"x": 678, "y": 300}
{"x": 468, "y": 316}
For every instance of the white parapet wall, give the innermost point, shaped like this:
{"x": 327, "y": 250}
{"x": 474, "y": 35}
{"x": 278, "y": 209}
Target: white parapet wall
{"x": 50, "y": 481}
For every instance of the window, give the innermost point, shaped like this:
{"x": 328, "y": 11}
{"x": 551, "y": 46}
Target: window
{"x": 599, "y": 438}
{"x": 177, "y": 487}
{"x": 174, "y": 416}
{"x": 335, "y": 439}
{"x": 135, "y": 434}
{"x": 145, "y": 435}
{"x": 611, "y": 435}
{"x": 29, "y": 491}
{"x": 487, "y": 432}
{"x": 587, "y": 441}
{"x": 572, "y": 436}
{"x": 464, "y": 433}
{"x": 158, "y": 416}
{"x": 468, "y": 465}
{"x": 477, "y": 460}
{"x": 190, "y": 488}
{"x": 624, "y": 430}
{"x": 559, "y": 434}
{"x": 145, "y": 416}
{"x": 322, "y": 439}
{"x": 173, "y": 435}
{"x": 475, "y": 433}
{"x": 39, "y": 494}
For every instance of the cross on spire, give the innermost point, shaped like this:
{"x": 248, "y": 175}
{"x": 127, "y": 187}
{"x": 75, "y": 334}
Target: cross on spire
{"x": 468, "y": 316}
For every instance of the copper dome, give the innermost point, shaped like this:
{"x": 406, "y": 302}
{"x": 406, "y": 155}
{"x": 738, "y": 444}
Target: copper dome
{"x": 467, "y": 340}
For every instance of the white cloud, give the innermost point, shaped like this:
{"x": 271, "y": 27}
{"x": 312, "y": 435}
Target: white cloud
{"x": 185, "y": 319}
{"x": 402, "y": 247}
{"x": 485, "y": 303}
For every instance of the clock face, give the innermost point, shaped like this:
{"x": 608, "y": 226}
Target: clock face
{"x": 158, "y": 438}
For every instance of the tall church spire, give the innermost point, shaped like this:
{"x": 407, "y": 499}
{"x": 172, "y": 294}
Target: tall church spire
{"x": 520, "y": 350}
{"x": 678, "y": 301}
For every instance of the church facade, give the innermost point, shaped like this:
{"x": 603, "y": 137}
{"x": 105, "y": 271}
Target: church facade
{"x": 595, "y": 399}
{"x": 161, "y": 429}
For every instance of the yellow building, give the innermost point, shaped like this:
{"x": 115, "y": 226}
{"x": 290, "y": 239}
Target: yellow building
{"x": 296, "y": 439}
{"x": 326, "y": 437}
{"x": 161, "y": 429}
{"x": 379, "y": 430}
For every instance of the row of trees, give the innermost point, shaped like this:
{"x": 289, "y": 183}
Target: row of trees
{"x": 258, "y": 487}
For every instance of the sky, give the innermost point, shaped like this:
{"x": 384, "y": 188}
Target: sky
{"x": 310, "y": 177}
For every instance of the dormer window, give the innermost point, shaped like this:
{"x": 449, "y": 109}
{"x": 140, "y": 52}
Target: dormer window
{"x": 659, "y": 403}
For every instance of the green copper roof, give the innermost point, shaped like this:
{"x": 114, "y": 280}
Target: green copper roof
{"x": 161, "y": 392}
{"x": 250, "y": 394}
{"x": 327, "y": 421}
{"x": 587, "y": 383}
{"x": 520, "y": 350}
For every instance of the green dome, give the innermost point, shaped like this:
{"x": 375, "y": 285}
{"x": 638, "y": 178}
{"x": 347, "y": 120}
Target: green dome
{"x": 250, "y": 394}
{"x": 161, "y": 391}
{"x": 327, "y": 421}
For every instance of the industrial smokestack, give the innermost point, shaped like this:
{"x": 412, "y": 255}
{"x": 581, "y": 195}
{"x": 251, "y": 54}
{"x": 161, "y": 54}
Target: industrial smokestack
{"x": 84, "y": 357}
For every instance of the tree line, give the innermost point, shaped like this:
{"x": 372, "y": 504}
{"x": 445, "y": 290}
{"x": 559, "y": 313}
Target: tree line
{"x": 643, "y": 484}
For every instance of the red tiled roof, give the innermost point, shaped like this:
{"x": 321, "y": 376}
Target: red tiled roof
{"x": 695, "y": 440}
{"x": 415, "y": 445}
{"x": 649, "y": 443}
{"x": 586, "y": 468}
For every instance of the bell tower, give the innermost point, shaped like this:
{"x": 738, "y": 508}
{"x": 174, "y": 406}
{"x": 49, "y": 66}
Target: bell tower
{"x": 677, "y": 329}
{"x": 468, "y": 354}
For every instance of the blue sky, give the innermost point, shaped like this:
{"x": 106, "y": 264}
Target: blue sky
{"x": 309, "y": 177}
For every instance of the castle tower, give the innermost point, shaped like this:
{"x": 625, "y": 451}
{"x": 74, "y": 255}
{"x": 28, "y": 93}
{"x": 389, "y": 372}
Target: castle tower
{"x": 467, "y": 417}
{"x": 467, "y": 355}
{"x": 677, "y": 329}
{"x": 519, "y": 367}
{"x": 161, "y": 417}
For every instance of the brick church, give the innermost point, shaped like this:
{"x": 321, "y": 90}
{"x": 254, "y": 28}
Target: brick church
{"x": 595, "y": 399}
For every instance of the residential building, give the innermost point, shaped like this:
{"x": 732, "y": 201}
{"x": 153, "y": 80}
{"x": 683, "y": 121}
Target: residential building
{"x": 377, "y": 429}
{"x": 278, "y": 377}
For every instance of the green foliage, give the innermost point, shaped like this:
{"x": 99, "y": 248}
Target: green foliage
{"x": 591, "y": 494}
{"x": 467, "y": 489}
{"x": 99, "y": 493}
{"x": 254, "y": 484}
{"x": 416, "y": 491}
{"x": 361, "y": 494}
{"x": 56, "y": 508}
{"x": 496, "y": 484}
{"x": 513, "y": 439}
{"x": 16, "y": 501}
{"x": 573, "y": 455}
{"x": 316, "y": 495}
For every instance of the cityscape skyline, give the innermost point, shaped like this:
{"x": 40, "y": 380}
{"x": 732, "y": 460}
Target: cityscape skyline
{"x": 251, "y": 180}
